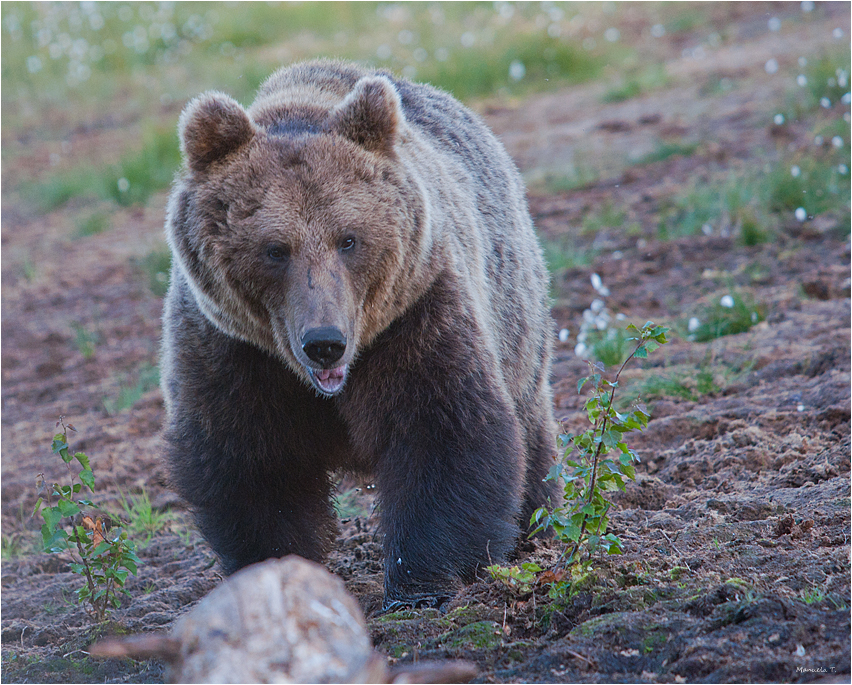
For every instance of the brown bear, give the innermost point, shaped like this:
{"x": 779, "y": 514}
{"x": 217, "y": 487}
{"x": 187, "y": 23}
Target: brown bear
{"x": 356, "y": 286}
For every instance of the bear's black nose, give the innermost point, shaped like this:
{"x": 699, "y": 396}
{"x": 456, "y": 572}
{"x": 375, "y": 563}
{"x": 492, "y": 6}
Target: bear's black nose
{"x": 324, "y": 345}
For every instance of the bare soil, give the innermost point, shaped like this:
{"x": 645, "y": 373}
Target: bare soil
{"x": 737, "y": 530}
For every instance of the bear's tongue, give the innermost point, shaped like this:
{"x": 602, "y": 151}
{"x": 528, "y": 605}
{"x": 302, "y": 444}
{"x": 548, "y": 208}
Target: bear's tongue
{"x": 330, "y": 379}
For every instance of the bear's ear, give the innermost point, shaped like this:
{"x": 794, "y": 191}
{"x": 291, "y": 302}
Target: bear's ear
{"x": 370, "y": 115}
{"x": 212, "y": 126}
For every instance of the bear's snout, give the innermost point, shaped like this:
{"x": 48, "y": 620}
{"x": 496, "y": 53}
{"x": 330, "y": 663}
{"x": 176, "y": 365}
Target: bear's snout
{"x": 324, "y": 345}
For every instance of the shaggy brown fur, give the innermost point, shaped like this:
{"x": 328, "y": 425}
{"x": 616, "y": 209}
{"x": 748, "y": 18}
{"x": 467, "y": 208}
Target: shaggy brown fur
{"x": 356, "y": 285}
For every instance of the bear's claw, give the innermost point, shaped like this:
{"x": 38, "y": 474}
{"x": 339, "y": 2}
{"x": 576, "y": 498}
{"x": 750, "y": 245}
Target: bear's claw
{"x": 420, "y": 601}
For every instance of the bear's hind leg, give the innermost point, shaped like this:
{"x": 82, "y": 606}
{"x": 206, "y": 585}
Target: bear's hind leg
{"x": 541, "y": 452}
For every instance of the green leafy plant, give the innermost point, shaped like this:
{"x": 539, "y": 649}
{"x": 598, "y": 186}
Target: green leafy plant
{"x": 104, "y": 556}
{"x": 597, "y": 461}
{"x": 519, "y": 579}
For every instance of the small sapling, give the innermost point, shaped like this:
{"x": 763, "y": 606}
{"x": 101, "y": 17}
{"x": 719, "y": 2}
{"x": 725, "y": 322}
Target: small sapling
{"x": 102, "y": 554}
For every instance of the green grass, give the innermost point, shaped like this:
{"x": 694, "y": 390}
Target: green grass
{"x": 138, "y": 175}
{"x": 256, "y": 24}
{"x": 348, "y": 504}
{"x": 92, "y": 224}
{"x": 142, "y": 173}
{"x": 753, "y": 205}
{"x": 707, "y": 205}
{"x": 565, "y": 253}
{"x": 610, "y": 347}
{"x": 143, "y": 519}
{"x": 753, "y": 231}
{"x": 825, "y": 80}
{"x": 482, "y": 71}
{"x": 131, "y": 391}
{"x": 17, "y": 545}
{"x": 29, "y": 270}
{"x": 8, "y": 547}
{"x": 717, "y": 319}
{"x": 684, "y": 381}
{"x": 85, "y": 340}
{"x": 818, "y": 186}
{"x": 99, "y": 61}
{"x": 812, "y": 595}
{"x": 156, "y": 267}
{"x": 57, "y": 188}
{"x": 608, "y": 216}
{"x": 640, "y": 82}
{"x": 580, "y": 174}
{"x": 63, "y": 52}
{"x": 668, "y": 149}
{"x": 690, "y": 385}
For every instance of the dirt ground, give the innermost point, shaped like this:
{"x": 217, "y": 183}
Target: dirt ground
{"x": 737, "y": 530}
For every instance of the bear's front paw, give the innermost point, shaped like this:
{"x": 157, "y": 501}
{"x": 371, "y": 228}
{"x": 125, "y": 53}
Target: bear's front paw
{"x": 420, "y": 600}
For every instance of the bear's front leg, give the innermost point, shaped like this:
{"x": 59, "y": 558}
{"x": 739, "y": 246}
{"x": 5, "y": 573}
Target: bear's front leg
{"x": 448, "y": 486}
{"x": 247, "y": 445}
{"x": 427, "y": 401}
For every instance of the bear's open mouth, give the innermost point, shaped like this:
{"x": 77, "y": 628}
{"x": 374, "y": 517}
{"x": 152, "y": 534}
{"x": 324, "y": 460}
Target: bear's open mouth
{"x": 329, "y": 381}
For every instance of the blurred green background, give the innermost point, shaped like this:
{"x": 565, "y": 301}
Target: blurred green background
{"x": 88, "y": 53}
{"x": 124, "y": 71}
{"x": 89, "y": 66}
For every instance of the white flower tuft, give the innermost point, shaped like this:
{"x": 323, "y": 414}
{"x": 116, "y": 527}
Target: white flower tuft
{"x": 517, "y": 70}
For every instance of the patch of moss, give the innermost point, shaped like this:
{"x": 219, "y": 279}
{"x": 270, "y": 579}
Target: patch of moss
{"x": 477, "y": 635}
{"x": 400, "y": 651}
{"x": 592, "y": 627}
{"x": 654, "y": 640}
{"x": 464, "y": 615}
{"x": 403, "y": 615}
{"x": 631, "y": 599}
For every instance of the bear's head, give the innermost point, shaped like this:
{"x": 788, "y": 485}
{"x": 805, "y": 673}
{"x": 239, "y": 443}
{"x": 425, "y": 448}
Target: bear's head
{"x": 296, "y": 225}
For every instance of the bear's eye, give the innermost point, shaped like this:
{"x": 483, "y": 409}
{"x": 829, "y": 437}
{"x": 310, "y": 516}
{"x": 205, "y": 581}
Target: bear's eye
{"x": 277, "y": 253}
{"x": 347, "y": 243}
